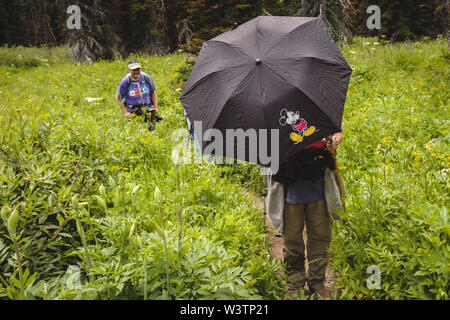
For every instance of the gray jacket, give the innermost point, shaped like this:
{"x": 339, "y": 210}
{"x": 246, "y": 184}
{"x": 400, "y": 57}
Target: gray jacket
{"x": 276, "y": 195}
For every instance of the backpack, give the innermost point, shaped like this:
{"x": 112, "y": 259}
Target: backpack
{"x": 130, "y": 82}
{"x": 309, "y": 164}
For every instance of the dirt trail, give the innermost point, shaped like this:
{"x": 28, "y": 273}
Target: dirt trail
{"x": 276, "y": 249}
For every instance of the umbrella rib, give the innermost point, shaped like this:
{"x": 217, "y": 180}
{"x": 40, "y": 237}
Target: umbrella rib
{"x": 232, "y": 93}
{"x": 294, "y": 86}
{"x": 233, "y": 47}
{"x": 208, "y": 75}
{"x": 335, "y": 63}
{"x": 274, "y": 71}
{"x": 188, "y": 89}
{"x": 287, "y": 34}
{"x": 226, "y": 100}
{"x": 258, "y": 34}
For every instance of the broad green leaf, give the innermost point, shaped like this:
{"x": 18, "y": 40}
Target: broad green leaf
{"x": 12, "y": 222}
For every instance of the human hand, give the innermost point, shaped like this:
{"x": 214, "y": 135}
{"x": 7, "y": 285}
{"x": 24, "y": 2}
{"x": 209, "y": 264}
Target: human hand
{"x": 128, "y": 114}
{"x": 334, "y": 142}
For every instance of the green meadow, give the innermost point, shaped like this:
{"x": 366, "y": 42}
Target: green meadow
{"x": 94, "y": 206}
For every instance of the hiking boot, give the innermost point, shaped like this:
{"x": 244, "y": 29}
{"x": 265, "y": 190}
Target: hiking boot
{"x": 295, "y": 271}
{"x": 319, "y": 290}
{"x": 296, "y": 281}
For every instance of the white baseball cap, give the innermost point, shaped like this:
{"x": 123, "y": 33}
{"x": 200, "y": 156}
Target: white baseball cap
{"x": 134, "y": 65}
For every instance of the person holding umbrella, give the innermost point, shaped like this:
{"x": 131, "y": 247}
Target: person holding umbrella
{"x": 303, "y": 179}
{"x": 280, "y": 84}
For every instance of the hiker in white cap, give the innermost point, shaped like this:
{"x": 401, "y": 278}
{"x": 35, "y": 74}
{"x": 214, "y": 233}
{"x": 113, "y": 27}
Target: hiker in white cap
{"x": 136, "y": 91}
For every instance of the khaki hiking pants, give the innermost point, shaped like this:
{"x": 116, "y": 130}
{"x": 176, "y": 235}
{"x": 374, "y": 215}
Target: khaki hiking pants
{"x": 318, "y": 234}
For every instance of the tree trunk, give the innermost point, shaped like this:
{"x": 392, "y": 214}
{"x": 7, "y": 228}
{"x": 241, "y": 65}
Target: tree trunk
{"x": 170, "y": 27}
{"x": 304, "y": 11}
{"x": 447, "y": 31}
{"x": 344, "y": 33}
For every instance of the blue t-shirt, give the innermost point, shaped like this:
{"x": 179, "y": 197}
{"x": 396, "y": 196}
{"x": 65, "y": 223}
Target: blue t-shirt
{"x": 133, "y": 96}
{"x": 302, "y": 191}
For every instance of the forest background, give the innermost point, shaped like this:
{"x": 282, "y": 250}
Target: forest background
{"x": 115, "y": 28}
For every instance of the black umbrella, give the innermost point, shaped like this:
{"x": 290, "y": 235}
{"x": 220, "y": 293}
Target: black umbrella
{"x": 275, "y": 73}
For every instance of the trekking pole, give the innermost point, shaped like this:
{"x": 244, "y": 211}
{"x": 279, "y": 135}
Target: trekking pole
{"x": 337, "y": 174}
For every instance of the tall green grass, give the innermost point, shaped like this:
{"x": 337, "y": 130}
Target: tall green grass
{"x": 56, "y": 145}
{"x": 395, "y": 160}
{"x": 28, "y": 57}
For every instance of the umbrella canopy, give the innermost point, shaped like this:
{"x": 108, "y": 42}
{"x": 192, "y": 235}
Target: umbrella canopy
{"x": 275, "y": 73}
